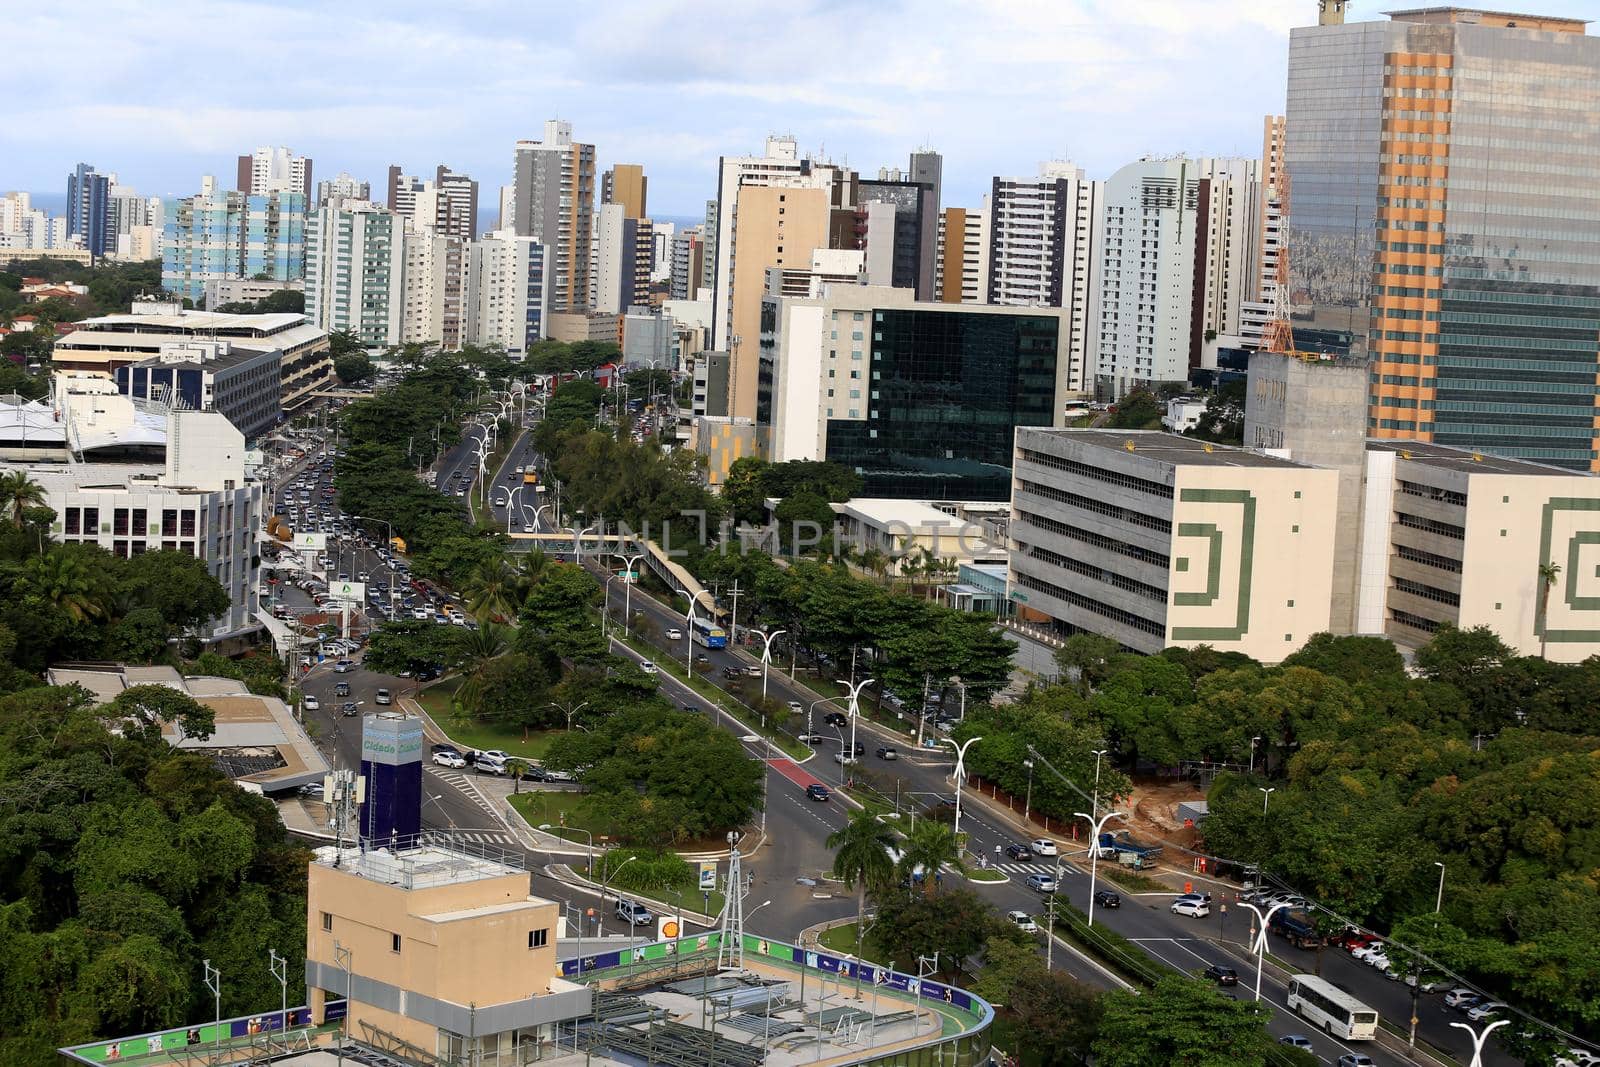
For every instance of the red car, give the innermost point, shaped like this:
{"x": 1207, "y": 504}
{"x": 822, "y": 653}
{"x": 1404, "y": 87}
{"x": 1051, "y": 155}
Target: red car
{"x": 1350, "y": 940}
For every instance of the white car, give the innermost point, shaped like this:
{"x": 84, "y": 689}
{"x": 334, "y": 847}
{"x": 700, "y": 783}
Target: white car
{"x": 1195, "y": 909}
{"x": 795, "y": 706}
{"x": 647, "y": 667}
{"x": 449, "y": 759}
{"x": 1023, "y": 921}
{"x": 1485, "y": 1010}
{"x": 1366, "y": 952}
{"x": 1458, "y": 996}
{"x": 311, "y": 703}
{"x": 498, "y": 755}
{"x": 674, "y": 634}
{"x": 1043, "y": 846}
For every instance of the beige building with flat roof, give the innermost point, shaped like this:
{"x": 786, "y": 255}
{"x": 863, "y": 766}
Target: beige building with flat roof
{"x": 443, "y": 954}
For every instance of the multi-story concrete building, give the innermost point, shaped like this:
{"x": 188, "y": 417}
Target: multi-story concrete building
{"x": 355, "y": 267}
{"x": 1269, "y": 260}
{"x": 1156, "y": 540}
{"x": 1041, "y": 235}
{"x": 626, "y": 184}
{"x": 244, "y": 384}
{"x": 963, "y": 266}
{"x": 144, "y": 477}
{"x": 688, "y": 264}
{"x": 221, "y": 291}
{"x": 448, "y": 204}
{"x": 102, "y": 346}
{"x": 508, "y": 291}
{"x": 896, "y": 224}
{"x": 433, "y": 289}
{"x": 614, "y": 272}
{"x": 88, "y": 209}
{"x": 780, "y": 161}
{"x": 919, "y": 397}
{"x": 226, "y": 234}
{"x": 274, "y": 170}
{"x": 1442, "y": 217}
{"x": 554, "y": 204}
{"x": 343, "y": 185}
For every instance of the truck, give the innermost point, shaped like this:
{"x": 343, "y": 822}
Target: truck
{"x": 1128, "y": 852}
{"x": 1295, "y": 927}
{"x": 530, "y": 477}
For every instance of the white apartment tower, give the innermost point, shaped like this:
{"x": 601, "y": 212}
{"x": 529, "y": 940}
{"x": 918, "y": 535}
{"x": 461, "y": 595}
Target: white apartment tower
{"x": 553, "y": 202}
{"x": 432, "y": 308}
{"x": 508, "y": 291}
{"x": 275, "y": 170}
{"x": 355, "y": 267}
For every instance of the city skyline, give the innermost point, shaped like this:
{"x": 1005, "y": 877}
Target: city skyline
{"x": 719, "y": 81}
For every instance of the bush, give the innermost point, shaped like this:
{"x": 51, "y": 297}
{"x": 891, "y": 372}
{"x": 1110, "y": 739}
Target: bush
{"x": 644, "y": 870}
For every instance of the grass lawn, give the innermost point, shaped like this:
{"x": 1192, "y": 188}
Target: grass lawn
{"x": 1133, "y": 880}
{"x": 576, "y": 811}
{"x": 435, "y": 699}
{"x": 842, "y": 939}
{"x": 978, "y": 874}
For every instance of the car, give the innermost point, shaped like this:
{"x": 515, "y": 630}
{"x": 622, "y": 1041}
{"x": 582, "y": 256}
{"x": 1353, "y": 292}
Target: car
{"x": 1461, "y": 997}
{"x": 527, "y": 527}
{"x": 1483, "y": 1010}
{"x": 1577, "y": 1057}
{"x": 496, "y": 754}
{"x": 888, "y": 752}
{"x": 647, "y": 666}
{"x": 349, "y": 708}
{"x": 1043, "y": 846}
{"x": 383, "y": 696}
{"x": 674, "y": 634}
{"x": 421, "y": 613}
{"x": 311, "y": 703}
{"x": 1377, "y": 961}
{"x": 1300, "y": 1041}
{"x": 341, "y": 689}
{"x": 796, "y": 707}
{"x": 311, "y": 789}
{"x": 812, "y": 739}
{"x": 489, "y": 766}
{"x": 553, "y": 775}
{"x": 1355, "y": 1059}
{"x": 1042, "y": 882}
{"x": 1023, "y": 921}
{"x": 817, "y": 791}
{"x": 1221, "y": 975}
{"x": 835, "y": 718}
{"x": 344, "y": 666}
{"x": 1195, "y": 909}
{"x": 841, "y": 759}
{"x": 752, "y": 672}
{"x": 450, "y": 758}
{"x": 701, "y": 657}
{"x": 732, "y": 672}
{"x": 1019, "y": 852}
{"x": 1367, "y": 951}
{"x": 1107, "y": 898}
{"x": 1204, "y": 898}
{"x": 633, "y": 913}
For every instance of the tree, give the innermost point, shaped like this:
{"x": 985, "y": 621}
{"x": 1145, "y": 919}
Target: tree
{"x": 1058, "y": 1017}
{"x": 930, "y": 847}
{"x": 743, "y": 491}
{"x": 1088, "y": 658}
{"x": 148, "y": 706}
{"x": 1548, "y": 573}
{"x": 352, "y": 368}
{"x": 1182, "y": 1023}
{"x": 177, "y": 586}
{"x": 407, "y": 646}
{"x": 19, "y": 492}
{"x": 1139, "y": 410}
{"x": 67, "y": 583}
{"x": 1222, "y": 420}
{"x": 862, "y": 860}
{"x": 492, "y": 591}
{"x": 956, "y": 924}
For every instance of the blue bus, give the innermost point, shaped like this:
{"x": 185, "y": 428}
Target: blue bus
{"x": 709, "y": 634}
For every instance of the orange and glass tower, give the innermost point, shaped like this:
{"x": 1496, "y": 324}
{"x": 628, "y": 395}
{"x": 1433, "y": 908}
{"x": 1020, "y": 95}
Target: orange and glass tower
{"x": 1445, "y": 223}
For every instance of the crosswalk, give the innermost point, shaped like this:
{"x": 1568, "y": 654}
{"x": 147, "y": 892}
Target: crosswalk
{"x": 1028, "y": 868}
{"x": 486, "y": 837}
{"x": 463, "y": 785}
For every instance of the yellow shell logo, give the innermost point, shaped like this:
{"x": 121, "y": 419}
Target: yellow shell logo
{"x": 669, "y": 928}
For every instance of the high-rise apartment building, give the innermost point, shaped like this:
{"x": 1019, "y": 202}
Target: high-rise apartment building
{"x": 896, "y": 224}
{"x": 627, "y": 185}
{"x": 274, "y": 170}
{"x": 88, "y": 209}
{"x": 781, "y": 160}
{"x": 344, "y": 185}
{"x": 1441, "y": 191}
{"x": 1041, "y": 241}
{"x": 554, "y": 204}
{"x": 611, "y": 273}
{"x": 448, "y": 204}
{"x": 1268, "y": 259}
{"x": 688, "y": 264}
{"x": 964, "y": 255}
{"x": 508, "y": 291}
{"x": 229, "y": 234}
{"x": 433, "y": 289}
{"x": 355, "y": 265}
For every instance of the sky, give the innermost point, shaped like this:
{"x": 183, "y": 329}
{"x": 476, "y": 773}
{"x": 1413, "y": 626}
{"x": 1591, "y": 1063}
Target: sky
{"x": 163, "y": 91}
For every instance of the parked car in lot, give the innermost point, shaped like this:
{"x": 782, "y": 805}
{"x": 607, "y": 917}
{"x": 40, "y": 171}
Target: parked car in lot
{"x": 449, "y": 758}
{"x": 1195, "y": 909}
{"x": 1019, "y": 852}
{"x": 1022, "y": 921}
{"x": 1042, "y": 882}
{"x": 1043, "y": 846}
{"x": 1222, "y": 975}
{"x": 817, "y": 791}
{"x": 1107, "y": 898}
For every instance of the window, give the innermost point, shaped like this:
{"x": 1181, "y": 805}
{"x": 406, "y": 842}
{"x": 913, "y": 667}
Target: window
{"x": 394, "y": 942}
{"x": 538, "y": 938}
{"x": 327, "y": 920}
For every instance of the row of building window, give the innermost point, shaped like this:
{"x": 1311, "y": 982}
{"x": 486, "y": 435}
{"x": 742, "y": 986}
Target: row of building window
{"x": 1416, "y": 622}
{"x": 1428, "y": 592}
{"x": 1088, "y": 537}
{"x": 1077, "y": 600}
{"x": 1431, "y": 492}
{"x": 1098, "y": 507}
{"x": 1428, "y": 559}
{"x": 1098, "y": 574}
{"x": 1433, "y": 526}
{"x": 1084, "y": 470}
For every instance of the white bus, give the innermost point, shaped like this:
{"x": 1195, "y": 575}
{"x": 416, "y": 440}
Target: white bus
{"x": 1331, "y": 1008}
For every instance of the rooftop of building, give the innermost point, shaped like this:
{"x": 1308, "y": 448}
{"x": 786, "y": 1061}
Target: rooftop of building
{"x": 1467, "y": 461}
{"x": 277, "y": 329}
{"x": 1170, "y": 448}
{"x": 30, "y": 422}
{"x": 236, "y": 355}
{"x": 256, "y": 739}
{"x": 431, "y": 859}
{"x": 1452, "y": 13}
{"x": 880, "y": 511}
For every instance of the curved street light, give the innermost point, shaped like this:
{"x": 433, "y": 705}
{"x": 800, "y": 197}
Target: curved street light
{"x": 766, "y": 657}
{"x": 961, "y": 771}
{"x": 605, "y": 883}
{"x": 1478, "y": 1040}
{"x": 855, "y": 710}
{"x": 1259, "y": 944}
{"x": 1094, "y": 849}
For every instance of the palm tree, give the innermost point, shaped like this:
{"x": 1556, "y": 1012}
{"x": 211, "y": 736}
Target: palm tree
{"x": 491, "y": 591}
{"x": 65, "y": 582}
{"x": 1548, "y": 573}
{"x": 531, "y": 569}
{"x": 930, "y": 847}
{"x": 20, "y": 492}
{"x": 862, "y": 860}
{"x": 482, "y": 646}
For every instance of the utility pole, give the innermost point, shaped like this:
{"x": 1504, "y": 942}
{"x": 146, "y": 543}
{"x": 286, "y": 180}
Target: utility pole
{"x": 213, "y": 980}
{"x": 279, "y": 966}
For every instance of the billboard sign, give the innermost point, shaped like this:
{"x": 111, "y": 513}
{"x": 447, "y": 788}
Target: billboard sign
{"x": 310, "y": 542}
{"x": 352, "y": 592}
{"x": 708, "y": 875}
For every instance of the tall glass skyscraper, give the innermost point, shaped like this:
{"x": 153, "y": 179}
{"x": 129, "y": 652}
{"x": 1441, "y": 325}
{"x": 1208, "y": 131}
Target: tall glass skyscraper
{"x": 1445, "y": 222}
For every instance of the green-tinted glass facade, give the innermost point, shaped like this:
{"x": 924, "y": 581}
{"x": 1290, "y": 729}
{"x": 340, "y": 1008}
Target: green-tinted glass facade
{"x": 945, "y": 391}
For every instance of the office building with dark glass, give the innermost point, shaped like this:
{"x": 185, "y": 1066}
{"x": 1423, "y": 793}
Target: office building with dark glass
{"x": 1445, "y": 214}
{"x": 920, "y": 398}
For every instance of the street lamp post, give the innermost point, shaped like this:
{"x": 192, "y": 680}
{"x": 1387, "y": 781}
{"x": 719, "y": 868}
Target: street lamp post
{"x": 1254, "y": 741}
{"x": 1027, "y": 804}
{"x": 855, "y": 710}
{"x": 812, "y": 708}
{"x": 1050, "y": 920}
{"x": 628, "y": 563}
{"x": 961, "y": 772}
{"x": 510, "y": 509}
{"x": 1096, "y": 828}
{"x": 1265, "y": 793}
{"x": 766, "y": 657}
{"x": 1478, "y": 1040}
{"x": 688, "y": 639}
{"x": 548, "y": 827}
{"x": 1094, "y": 801}
{"x": 605, "y": 884}
{"x": 955, "y": 680}
{"x": 605, "y": 614}
{"x": 1259, "y": 944}
{"x": 1438, "y": 903}
{"x": 569, "y": 710}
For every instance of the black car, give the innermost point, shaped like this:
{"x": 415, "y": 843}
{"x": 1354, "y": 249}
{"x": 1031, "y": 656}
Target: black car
{"x": 1106, "y": 898}
{"x": 349, "y": 707}
{"x": 817, "y": 791}
{"x": 1222, "y": 975}
{"x": 1019, "y": 852}
{"x": 888, "y": 752}
{"x": 836, "y": 718}
{"x": 732, "y": 672}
